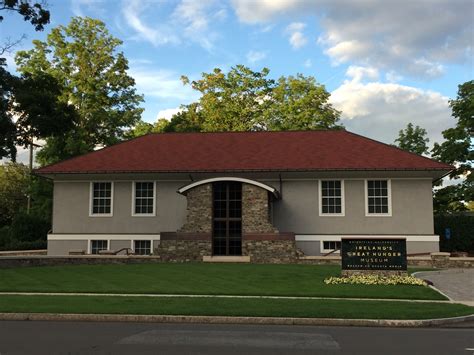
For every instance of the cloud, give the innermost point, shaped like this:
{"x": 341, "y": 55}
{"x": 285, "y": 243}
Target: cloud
{"x": 157, "y": 35}
{"x": 308, "y": 63}
{"x": 81, "y": 7}
{"x": 414, "y": 38}
{"x": 168, "y": 113}
{"x": 296, "y": 37}
{"x": 255, "y": 56}
{"x": 187, "y": 22}
{"x": 379, "y": 110}
{"x": 162, "y": 84}
{"x": 358, "y": 74}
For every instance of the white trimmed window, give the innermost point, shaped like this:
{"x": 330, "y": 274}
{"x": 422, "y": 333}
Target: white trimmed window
{"x": 378, "y": 198}
{"x": 331, "y": 245}
{"x": 144, "y": 193}
{"x": 101, "y": 203}
{"x": 142, "y": 247}
{"x": 331, "y": 201}
{"x": 98, "y": 245}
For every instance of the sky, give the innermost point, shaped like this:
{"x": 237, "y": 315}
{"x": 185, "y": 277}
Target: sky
{"x": 385, "y": 63}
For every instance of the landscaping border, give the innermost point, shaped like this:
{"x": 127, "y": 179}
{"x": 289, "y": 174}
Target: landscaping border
{"x": 232, "y": 320}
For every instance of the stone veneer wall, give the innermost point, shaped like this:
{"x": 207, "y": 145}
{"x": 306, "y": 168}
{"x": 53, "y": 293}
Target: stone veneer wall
{"x": 271, "y": 251}
{"x": 183, "y": 250}
{"x": 260, "y": 240}
{"x": 255, "y": 218}
{"x": 199, "y": 210}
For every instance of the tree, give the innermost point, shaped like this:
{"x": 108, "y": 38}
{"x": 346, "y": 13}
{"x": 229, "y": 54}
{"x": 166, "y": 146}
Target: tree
{"x": 34, "y": 13}
{"x": 142, "y": 128}
{"x": 7, "y": 126}
{"x": 83, "y": 57}
{"x": 38, "y": 16}
{"x": 14, "y": 182}
{"x": 413, "y": 139}
{"x": 457, "y": 150}
{"x": 300, "y": 103}
{"x": 245, "y": 100}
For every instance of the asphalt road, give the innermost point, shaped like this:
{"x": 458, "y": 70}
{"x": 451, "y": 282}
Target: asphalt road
{"x": 144, "y": 338}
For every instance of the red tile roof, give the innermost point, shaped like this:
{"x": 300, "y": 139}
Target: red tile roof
{"x": 245, "y": 151}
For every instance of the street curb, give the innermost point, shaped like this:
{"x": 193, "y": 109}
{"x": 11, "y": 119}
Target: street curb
{"x": 232, "y": 320}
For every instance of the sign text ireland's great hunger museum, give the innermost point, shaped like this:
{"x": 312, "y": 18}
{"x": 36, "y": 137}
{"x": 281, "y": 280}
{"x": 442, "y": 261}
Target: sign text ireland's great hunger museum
{"x": 374, "y": 254}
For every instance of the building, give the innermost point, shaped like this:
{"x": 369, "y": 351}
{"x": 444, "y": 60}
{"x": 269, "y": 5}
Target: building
{"x": 264, "y": 196}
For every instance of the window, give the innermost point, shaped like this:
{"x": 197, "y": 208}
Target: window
{"x": 142, "y": 247}
{"x": 144, "y": 198}
{"x": 331, "y": 245}
{"x": 378, "y": 197}
{"x": 332, "y": 197}
{"x": 98, "y": 245}
{"x": 101, "y": 198}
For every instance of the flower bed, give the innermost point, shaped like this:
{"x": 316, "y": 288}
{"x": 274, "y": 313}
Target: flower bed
{"x": 375, "y": 280}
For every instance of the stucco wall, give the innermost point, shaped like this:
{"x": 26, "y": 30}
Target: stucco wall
{"x": 62, "y": 247}
{"x": 297, "y": 212}
{"x": 412, "y": 210}
{"x": 71, "y": 210}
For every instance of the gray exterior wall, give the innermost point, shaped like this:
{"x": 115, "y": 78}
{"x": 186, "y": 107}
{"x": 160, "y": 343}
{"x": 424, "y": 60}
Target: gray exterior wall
{"x": 62, "y": 247}
{"x": 412, "y": 210}
{"x": 71, "y": 210}
{"x": 297, "y": 211}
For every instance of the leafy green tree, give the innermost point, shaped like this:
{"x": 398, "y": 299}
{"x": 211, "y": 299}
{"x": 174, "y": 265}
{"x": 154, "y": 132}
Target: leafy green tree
{"x": 300, "y": 103}
{"x": 83, "y": 57}
{"x": 14, "y": 185}
{"x": 33, "y": 12}
{"x": 7, "y": 125}
{"x": 142, "y": 128}
{"x": 457, "y": 149}
{"x": 246, "y": 100}
{"x": 413, "y": 139}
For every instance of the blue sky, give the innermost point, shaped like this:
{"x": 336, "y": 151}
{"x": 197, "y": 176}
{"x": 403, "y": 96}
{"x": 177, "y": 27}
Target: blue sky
{"x": 386, "y": 63}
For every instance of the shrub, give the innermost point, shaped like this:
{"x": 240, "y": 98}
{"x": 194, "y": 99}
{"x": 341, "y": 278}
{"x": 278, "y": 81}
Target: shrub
{"x": 28, "y": 228}
{"x": 375, "y": 280}
{"x": 462, "y": 232}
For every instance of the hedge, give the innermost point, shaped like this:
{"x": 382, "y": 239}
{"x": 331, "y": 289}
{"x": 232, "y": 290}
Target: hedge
{"x": 462, "y": 232}
{"x": 26, "y": 232}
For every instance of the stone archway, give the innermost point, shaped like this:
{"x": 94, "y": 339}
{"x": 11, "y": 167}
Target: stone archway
{"x": 259, "y": 238}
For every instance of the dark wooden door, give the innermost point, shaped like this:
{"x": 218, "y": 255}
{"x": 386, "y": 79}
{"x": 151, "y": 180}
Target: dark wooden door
{"x": 227, "y": 218}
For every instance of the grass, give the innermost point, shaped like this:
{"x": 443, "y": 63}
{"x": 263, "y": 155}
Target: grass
{"x": 189, "y": 278}
{"x": 232, "y": 307}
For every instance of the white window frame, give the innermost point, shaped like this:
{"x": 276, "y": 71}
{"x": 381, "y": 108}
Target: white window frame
{"x": 91, "y": 200}
{"x": 133, "y": 200}
{"x": 89, "y": 245}
{"x": 330, "y": 250}
{"x": 389, "y": 198}
{"x": 132, "y": 244}
{"x": 343, "y": 202}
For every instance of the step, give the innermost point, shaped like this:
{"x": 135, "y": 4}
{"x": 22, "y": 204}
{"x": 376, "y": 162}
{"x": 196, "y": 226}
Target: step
{"x": 226, "y": 259}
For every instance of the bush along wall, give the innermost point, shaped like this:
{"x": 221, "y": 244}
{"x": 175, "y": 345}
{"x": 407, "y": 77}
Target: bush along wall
{"x": 456, "y": 232}
{"x": 26, "y": 232}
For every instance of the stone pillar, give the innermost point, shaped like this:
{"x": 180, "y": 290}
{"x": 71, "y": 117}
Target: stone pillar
{"x": 199, "y": 210}
{"x": 440, "y": 260}
{"x": 255, "y": 218}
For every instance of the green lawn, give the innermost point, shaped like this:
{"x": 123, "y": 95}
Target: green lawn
{"x": 232, "y": 307}
{"x": 198, "y": 278}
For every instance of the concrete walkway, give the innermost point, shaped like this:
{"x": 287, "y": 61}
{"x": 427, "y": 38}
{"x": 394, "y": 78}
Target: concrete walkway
{"x": 457, "y": 284}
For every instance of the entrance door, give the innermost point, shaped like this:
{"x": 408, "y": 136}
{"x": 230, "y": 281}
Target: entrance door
{"x": 227, "y": 218}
